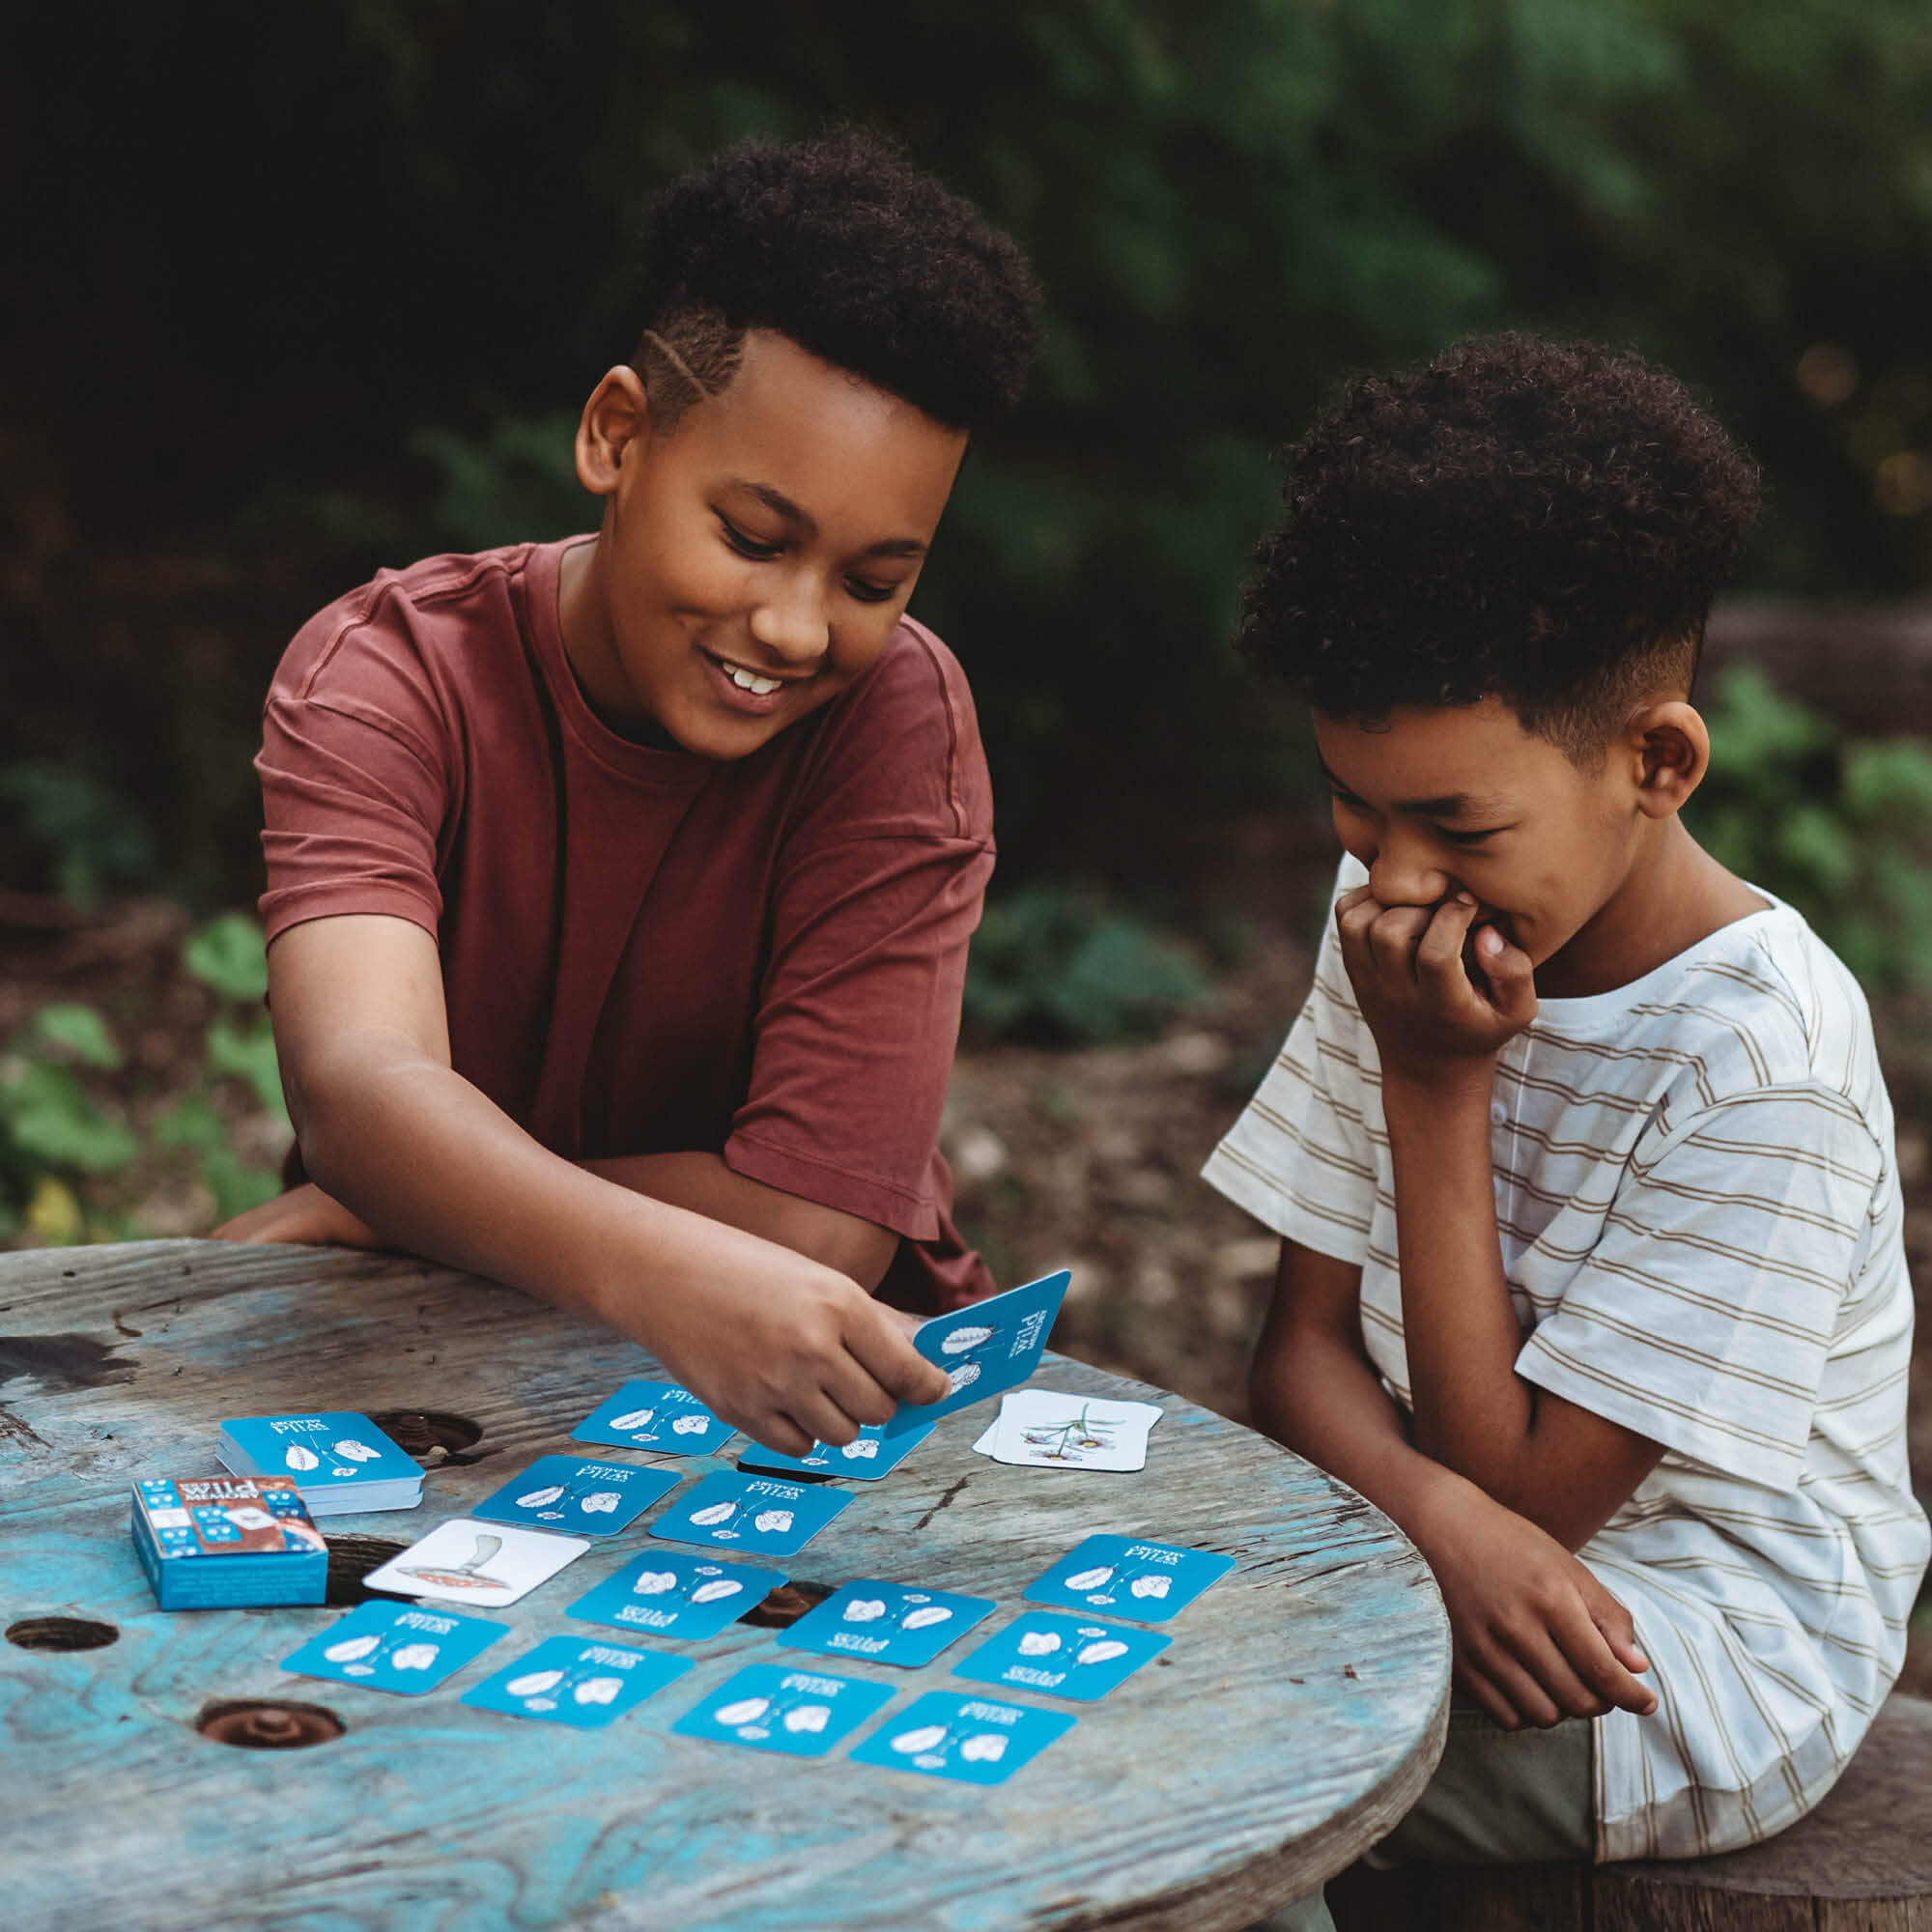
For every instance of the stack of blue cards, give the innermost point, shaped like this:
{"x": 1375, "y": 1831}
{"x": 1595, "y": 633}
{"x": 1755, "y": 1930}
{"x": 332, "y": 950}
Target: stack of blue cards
{"x": 342, "y": 1464}
{"x": 221, "y": 1542}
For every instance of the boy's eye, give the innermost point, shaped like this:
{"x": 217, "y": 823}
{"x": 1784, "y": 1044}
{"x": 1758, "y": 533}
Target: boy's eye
{"x": 870, "y": 594}
{"x": 745, "y": 544}
{"x": 1458, "y": 836}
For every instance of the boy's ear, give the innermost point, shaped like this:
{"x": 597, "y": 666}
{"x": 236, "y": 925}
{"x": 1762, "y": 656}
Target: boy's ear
{"x": 614, "y": 417}
{"x": 1672, "y": 750}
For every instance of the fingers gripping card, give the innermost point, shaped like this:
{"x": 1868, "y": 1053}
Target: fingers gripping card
{"x": 985, "y": 1348}
{"x": 1148, "y": 1582}
{"x": 973, "y": 1740}
{"x": 865, "y": 1461}
{"x": 668, "y": 1593}
{"x": 482, "y": 1563}
{"x": 887, "y": 1623}
{"x": 801, "y": 1713}
{"x": 569, "y": 1680}
{"x": 395, "y": 1647}
{"x": 567, "y": 1492}
{"x": 759, "y": 1515}
{"x": 1065, "y": 1657}
{"x": 654, "y": 1416}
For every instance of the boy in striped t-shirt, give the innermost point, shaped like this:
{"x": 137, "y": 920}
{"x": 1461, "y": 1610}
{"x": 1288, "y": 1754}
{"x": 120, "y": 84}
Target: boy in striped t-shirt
{"x": 1592, "y": 1273}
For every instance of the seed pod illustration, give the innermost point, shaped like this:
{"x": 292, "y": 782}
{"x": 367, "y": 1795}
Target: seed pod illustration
{"x": 925, "y": 1619}
{"x": 351, "y": 1649}
{"x": 744, "y": 1711}
{"x": 718, "y": 1587}
{"x": 772, "y": 1522}
{"x": 984, "y": 1748}
{"x": 862, "y": 1451}
{"x": 634, "y": 1421}
{"x": 960, "y": 1340}
{"x": 1152, "y": 1587}
{"x": 1091, "y": 1580}
{"x": 1039, "y": 1643}
{"x": 1103, "y": 1651}
{"x": 807, "y": 1718}
{"x": 353, "y": 1451}
{"x": 537, "y": 1498}
{"x": 603, "y": 1503}
{"x": 964, "y": 1376}
{"x": 298, "y": 1458}
{"x": 533, "y": 1683}
{"x": 714, "y": 1514}
{"x": 598, "y": 1689}
{"x": 689, "y": 1425}
{"x": 922, "y": 1740}
{"x": 865, "y": 1610}
{"x": 414, "y": 1657}
{"x": 655, "y": 1584}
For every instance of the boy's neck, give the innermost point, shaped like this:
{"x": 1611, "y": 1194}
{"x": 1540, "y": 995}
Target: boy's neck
{"x": 1674, "y": 895}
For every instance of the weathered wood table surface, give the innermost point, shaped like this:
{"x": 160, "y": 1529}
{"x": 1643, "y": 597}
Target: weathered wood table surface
{"x": 1297, "y": 1712}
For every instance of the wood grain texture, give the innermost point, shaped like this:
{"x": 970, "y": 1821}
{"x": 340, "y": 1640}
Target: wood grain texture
{"x": 1295, "y": 1717}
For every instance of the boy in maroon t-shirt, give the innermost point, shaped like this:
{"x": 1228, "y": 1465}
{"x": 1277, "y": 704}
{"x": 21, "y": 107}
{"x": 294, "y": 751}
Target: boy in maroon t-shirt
{"x": 619, "y": 890}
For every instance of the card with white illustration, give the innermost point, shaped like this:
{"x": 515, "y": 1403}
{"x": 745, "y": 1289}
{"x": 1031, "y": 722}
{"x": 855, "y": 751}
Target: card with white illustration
{"x": 339, "y": 1461}
{"x": 1065, "y": 1657}
{"x": 489, "y": 1564}
{"x": 865, "y": 1461}
{"x": 1045, "y": 1429}
{"x": 887, "y": 1623}
{"x": 669, "y": 1592}
{"x": 1148, "y": 1582}
{"x": 761, "y": 1514}
{"x": 571, "y": 1494}
{"x": 985, "y": 1347}
{"x": 769, "y": 1707}
{"x": 395, "y": 1647}
{"x": 572, "y": 1680}
{"x": 654, "y": 1416}
{"x": 973, "y": 1740}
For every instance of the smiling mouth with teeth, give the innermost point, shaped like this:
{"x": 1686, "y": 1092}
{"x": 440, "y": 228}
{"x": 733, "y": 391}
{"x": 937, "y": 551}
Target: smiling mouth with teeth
{"x": 748, "y": 680}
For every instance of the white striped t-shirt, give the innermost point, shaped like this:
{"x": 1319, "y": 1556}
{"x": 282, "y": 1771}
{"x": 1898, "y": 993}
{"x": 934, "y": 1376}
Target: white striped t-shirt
{"x": 1700, "y": 1222}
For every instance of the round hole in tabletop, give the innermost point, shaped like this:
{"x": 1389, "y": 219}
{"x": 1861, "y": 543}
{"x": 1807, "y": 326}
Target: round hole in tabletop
{"x": 431, "y": 1432}
{"x": 786, "y": 1604}
{"x": 60, "y": 1633}
{"x": 351, "y": 1558}
{"x": 256, "y": 1726}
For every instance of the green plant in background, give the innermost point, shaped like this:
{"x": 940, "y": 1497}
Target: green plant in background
{"x": 93, "y": 837}
{"x": 1842, "y": 830}
{"x": 1060, "y": 966}
{"x": 52, "y": 1130}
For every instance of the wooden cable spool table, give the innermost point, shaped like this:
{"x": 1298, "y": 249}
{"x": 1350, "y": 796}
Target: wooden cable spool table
{"x": 1296, "y": 1714}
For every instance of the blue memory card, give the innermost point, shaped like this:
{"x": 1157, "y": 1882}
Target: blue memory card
{"x": 973, "y": 1740}
{"x": 769, "y": 1707}
{"x": 577, "y": 1497}
{"x": 577, "y": 1681}
{"x": 1148, "y": 1582}
{"x": 668, "y": 1593}
{"x": 397, "y": 1647}
{"x": 985, "y": 1347}
{"x": 887, "y": 1623}
{"x": 1065, "y": 1657}
{"x": 865, "y": 1461}
{"x": 761, "y": 1514}
{"x": 654, "y": 1416}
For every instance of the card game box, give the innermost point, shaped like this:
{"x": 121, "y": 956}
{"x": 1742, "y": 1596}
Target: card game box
{"x": 225, "y": 1542}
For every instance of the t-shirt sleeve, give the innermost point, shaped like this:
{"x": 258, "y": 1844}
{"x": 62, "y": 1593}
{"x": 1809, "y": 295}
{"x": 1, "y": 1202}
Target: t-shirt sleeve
{"x": 875, "y": 901}
{"x": 1703, "y": 1317}
{"x": 1301, "y": 1158}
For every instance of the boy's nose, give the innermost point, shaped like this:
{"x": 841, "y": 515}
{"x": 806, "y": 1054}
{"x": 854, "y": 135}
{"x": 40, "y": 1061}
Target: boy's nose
{"x": 794, "y": 626}
{"x": 1400, "y": 875}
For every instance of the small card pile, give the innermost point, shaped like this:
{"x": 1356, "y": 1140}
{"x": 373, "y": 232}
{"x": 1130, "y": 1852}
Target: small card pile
{"x": 224, "y": 1542}
{"x": 1043, "y": 1429}
{"x": 342, "y": 1464}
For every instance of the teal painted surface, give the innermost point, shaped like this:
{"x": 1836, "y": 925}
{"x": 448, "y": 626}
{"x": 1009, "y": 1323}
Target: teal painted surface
{"x": 1209, "y": 1787}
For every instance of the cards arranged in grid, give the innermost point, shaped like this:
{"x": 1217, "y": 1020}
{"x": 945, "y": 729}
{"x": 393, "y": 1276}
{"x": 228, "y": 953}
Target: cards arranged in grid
{"x": 1065, "y": 1657}
{"x": 586, "y": 1498}
{"x": 1147, "y": 1581}
{"x": 395, "y": 1647}
{"x": 654, "y": 1416}
{"x": 669, "y": 1592}
{"x": 770, "y": 1707}
{"x": 988, "y": 1346}
{"x": 488, "y": 1564}
{"x": 577, "y": 1681}
{"x": 757, "y": 1513}
{"x": 865, "y": 1461}
{"x": 887, "y": 1623}
{"x": 974, "y": 1739}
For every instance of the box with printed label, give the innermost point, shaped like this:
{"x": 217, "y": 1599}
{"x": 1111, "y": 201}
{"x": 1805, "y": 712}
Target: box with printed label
{"x": 227, "y": 1542}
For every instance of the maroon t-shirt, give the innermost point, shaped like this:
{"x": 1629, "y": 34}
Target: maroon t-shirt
{"x": 643, "y": 951}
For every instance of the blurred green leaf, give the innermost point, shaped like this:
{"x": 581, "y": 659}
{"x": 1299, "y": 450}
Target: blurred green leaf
{"x": 80, "y": 1030}
{"x": 250, "y": 1056}
{"x": 46, "y": 1113}
{"x": 229, "y": 956}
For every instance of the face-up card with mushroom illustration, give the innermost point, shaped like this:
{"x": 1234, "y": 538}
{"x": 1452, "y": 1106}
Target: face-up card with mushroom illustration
{"x": 974, "y": 1739}
{"x": 1065, "y": 1657}
{"x": 759, "y": 1515}
{"x": 668, "y": 1593}
{"x": 887, "y": 1623}
{"x": 1148, "y": 1582}
{"x": 985, "y": 1348}
{"x": 586, "y": 1498}
{"x": 802, "y": 1713}
{"x": 865, "y": 1461}
{"x": 577, "y": 1681}
{"x": 489, "y": 1564}
{"x": 654, "y": 1416}
{"x": 395, "y": 1647}
{"x": 341, "y": 1462}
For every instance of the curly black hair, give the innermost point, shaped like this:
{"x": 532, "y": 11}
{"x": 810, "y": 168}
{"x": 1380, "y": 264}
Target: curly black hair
{"x": 843, "y": 245}
{"x": 1545, "y": 523}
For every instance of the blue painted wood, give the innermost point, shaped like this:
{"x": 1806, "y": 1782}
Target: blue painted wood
{"x": 1296, "y": 1715}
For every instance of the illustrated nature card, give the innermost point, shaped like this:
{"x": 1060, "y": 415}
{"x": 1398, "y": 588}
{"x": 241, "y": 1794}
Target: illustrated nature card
{"x": 569, "y": 1680}
{"x": 887, "y": 1623}
{"x": 671, "y": 1593}
{"x": 394, "y": 1647}
{"x": 654, "y": 1416}
{"x": 757, "y": 1514}
{"x": 1046, "y": 1430}
{"x": 985, "y": 1348}
{"x": 586, "y": 1498}
{"x": 1148, "y": 1582}
{"x": 865, "y": 1461}
{"x": 1063, "y": 1657}
{"x": 489, "y": 1564}
{"x": 973, "y": 1740}
{"x": 769, "y": 1707}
